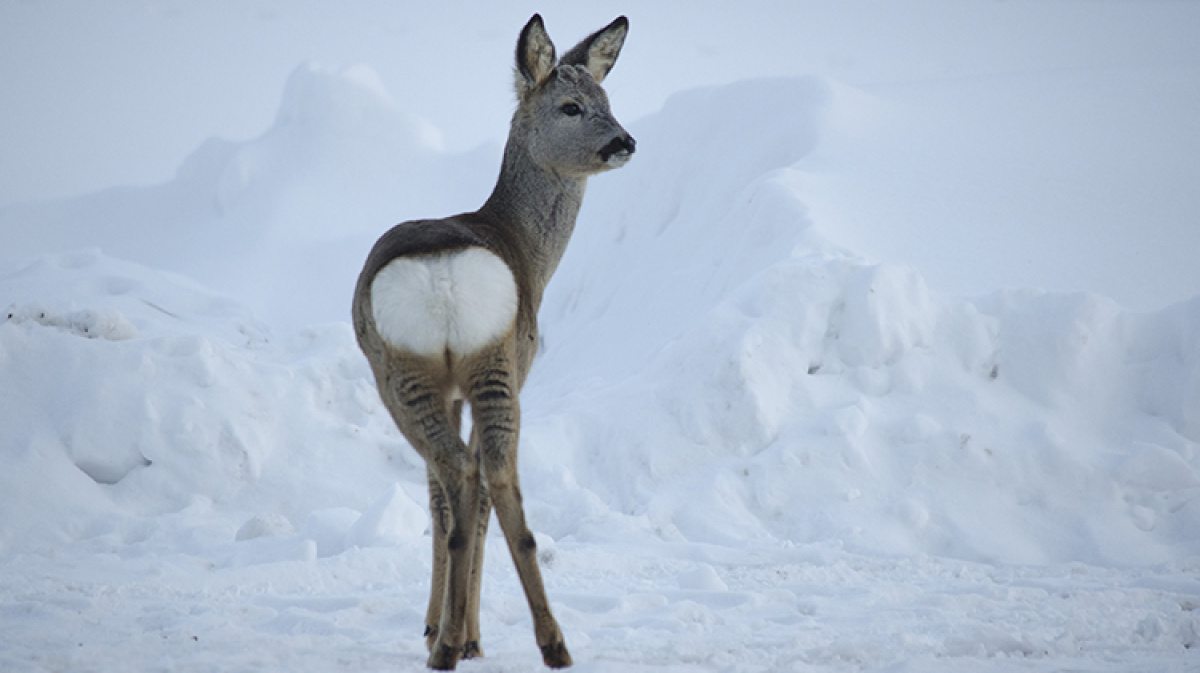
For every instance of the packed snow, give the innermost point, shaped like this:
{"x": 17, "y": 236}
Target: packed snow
{"x": 785, "y": 416}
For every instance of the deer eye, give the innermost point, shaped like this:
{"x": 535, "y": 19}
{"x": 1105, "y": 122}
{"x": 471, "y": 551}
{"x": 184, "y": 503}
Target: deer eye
{"x": 571, "y": 110}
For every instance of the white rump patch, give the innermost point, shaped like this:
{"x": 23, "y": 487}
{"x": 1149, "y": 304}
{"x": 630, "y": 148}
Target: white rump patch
{"x": 458, "y": 301}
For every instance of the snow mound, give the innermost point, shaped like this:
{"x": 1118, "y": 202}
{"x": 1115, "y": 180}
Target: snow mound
{"x": 392, "y": 520}
{"x": 704, "y": 338}
{"x": 743, "y": 447}
{"x": 168, "y": 395}
{"x": 714, "y": 370}
{"x": 729, "y": 412}
{"x": 282, "y": 221}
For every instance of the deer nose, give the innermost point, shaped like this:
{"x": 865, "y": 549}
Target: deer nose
{"x": 624, "y": 144}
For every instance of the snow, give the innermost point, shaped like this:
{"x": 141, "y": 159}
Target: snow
{"x": 883, "y": 354}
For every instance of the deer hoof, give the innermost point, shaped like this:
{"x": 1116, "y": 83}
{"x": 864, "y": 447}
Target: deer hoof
{"x": 444, "y": 657}
{"x": 472, "y": 650}
{"x": 555, "y": 655}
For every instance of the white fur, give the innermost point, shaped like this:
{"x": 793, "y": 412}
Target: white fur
{"x": 459, "y": 301}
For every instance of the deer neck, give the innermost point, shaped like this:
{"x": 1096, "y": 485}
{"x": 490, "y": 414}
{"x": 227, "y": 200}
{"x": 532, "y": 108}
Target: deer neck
{"x": 534, "y": 208}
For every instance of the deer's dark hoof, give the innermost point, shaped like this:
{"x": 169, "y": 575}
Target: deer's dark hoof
{"x": 472, "y": 650}
{"x": 555, "y": 655}
{"x": 444, "y": 657}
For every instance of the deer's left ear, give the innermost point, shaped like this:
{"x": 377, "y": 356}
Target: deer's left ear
{"x": 535, "y": 56}
{"x": 598, "y": 51}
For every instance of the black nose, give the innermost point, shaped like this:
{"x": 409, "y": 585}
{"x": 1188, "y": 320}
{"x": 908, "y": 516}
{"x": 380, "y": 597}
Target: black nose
{"x": 624, "y": 143}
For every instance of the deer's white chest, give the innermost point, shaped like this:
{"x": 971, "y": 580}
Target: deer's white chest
{"x": 459, "y": 301}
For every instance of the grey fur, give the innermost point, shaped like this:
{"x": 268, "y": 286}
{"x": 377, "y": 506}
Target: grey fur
{"x": 598, "y": 51}
{"x": 562, "y": 132}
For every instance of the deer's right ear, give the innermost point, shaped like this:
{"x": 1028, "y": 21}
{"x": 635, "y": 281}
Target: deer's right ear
{"x": 535, "y": 56}
{"x": 598, "y": 51}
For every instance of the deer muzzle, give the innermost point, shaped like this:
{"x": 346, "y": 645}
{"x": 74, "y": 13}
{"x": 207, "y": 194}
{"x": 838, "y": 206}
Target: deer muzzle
{"x": 618, "y": 150}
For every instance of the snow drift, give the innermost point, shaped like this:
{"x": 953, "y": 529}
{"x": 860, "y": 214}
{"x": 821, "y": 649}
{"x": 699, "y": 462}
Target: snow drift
{"x": 715, "y": 369}
{"x": 281, "y": 222}
{"x": 745, "y": 447}
{"x": 811, "y": 394}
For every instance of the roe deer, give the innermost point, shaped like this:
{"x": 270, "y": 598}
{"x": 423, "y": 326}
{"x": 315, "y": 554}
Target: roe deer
{"x": 446, "y": 313}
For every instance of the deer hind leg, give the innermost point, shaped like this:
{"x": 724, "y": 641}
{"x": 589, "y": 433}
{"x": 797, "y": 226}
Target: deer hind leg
{"x": 496, "y": 412}
{"x": 424, "y": 416}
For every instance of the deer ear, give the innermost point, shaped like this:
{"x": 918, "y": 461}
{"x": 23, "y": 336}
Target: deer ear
{"x": 598, "y": 51}
{"x": 535, "y": 55}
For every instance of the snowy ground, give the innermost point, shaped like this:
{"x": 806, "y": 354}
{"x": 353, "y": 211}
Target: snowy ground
{"x": 793, "y": 411}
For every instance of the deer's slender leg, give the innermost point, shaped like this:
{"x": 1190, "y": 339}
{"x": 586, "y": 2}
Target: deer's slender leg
{"x": 472, "y": 648}
{"x": 441, "y": 530}
{"x": 497, "y": 416}
{"x": 521, "y": 544}
{"x": 460, "y": 480}
{"x": 442, "y": 520}
{"x": 428, "y": 425}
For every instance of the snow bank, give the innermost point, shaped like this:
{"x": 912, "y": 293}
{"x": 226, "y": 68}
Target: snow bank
{"x": 131, "y": 394}
{"x": 745, "y": 447}
{"x": 281, "y": 222}
{"x": 721, "y": 370}
{"x": 715, "y": 369}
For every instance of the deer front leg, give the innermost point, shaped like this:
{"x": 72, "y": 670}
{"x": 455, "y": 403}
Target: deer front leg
{"x": 472, "y": 648}
{"x": 437, "y": 586}
{"x": 437, "y": 594}
{"x": 441, "y": 530}
{"x": 442, "y": 520}
{"x": 460, "y": 483}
